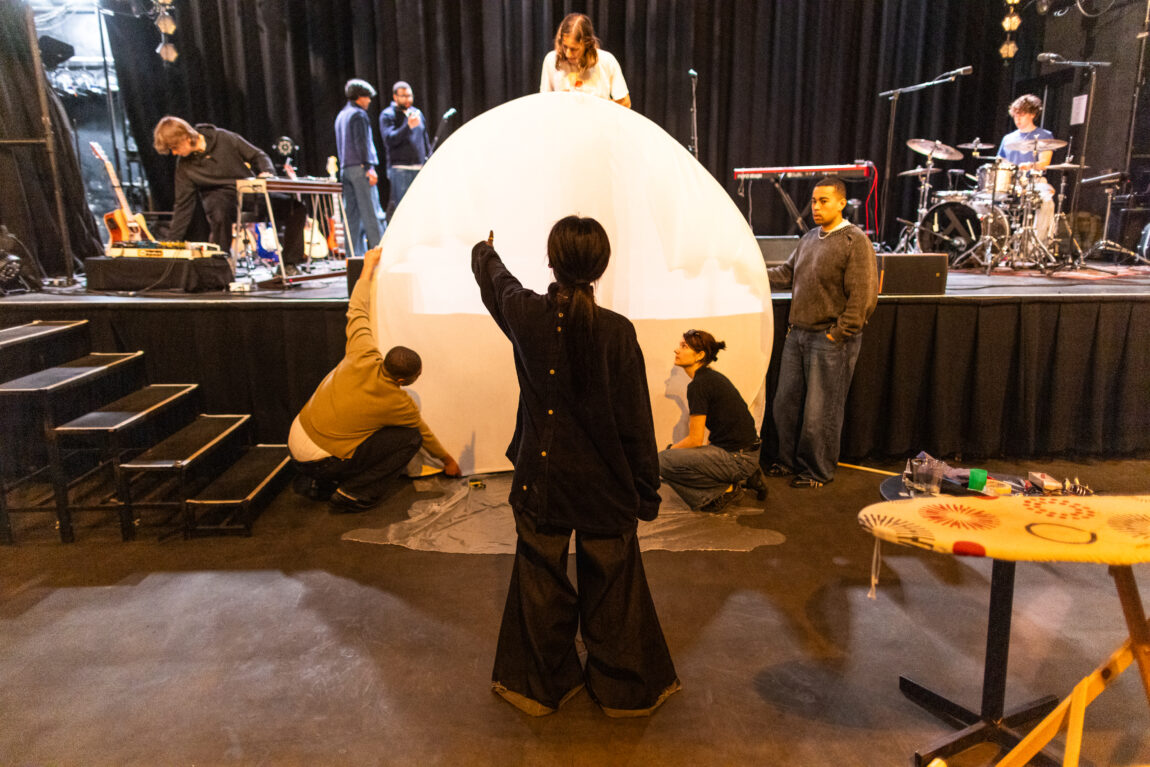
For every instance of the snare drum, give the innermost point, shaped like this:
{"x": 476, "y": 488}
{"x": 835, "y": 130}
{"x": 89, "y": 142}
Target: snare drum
{"x": 954, "y": 227}
{"x": 953, "y": 195}
{"x": 998, "y": 183}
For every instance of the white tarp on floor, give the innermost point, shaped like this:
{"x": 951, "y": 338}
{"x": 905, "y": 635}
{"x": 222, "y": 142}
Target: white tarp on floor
{"x": 460, "y": 519}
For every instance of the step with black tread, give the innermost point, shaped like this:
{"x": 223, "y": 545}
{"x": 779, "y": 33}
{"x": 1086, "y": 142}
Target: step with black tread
{"x": 189, "y": 444}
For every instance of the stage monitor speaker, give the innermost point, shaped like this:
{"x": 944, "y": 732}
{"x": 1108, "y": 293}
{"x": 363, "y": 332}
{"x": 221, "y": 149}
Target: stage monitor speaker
{"x": 776, "y": 250}
{"x": 1131, "y": 224}
{"x": 912, "y": 273}
{"x": 354, "y": 267}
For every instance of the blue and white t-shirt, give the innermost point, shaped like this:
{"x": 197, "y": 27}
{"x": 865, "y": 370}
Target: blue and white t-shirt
{"x": 1020, "y": 157}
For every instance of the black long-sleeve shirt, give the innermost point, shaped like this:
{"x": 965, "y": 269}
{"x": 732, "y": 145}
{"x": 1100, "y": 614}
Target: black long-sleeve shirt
{"x": 226, "y": 158}
{"x": 587, "y": 462}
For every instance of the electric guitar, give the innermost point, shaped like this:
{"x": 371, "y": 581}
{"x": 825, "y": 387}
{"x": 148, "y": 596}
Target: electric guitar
{"x": 122, "y": 224}
{"x": 334, "y": 223}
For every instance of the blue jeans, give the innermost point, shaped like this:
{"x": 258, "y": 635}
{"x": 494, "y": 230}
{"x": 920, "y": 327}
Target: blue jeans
{"x": 702, "y": 474}
{"x": 400, "y": 179}
{"x": 364, "y": 216}
{"x": 814, "y": 379}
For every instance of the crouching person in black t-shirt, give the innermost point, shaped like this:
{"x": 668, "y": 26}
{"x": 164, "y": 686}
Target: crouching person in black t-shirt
{"x": 710, "y": 475}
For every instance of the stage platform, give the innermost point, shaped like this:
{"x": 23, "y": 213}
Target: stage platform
{"x": 1014, "y": 363}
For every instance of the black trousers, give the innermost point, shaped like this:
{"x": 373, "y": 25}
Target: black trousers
{"x": 629, "y": 667}
{"x": 291, "y": 216}
{"x": 379, "y": 459}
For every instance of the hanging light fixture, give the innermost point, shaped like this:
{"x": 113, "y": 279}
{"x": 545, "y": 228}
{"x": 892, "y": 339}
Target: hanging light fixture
{"x": 1010, "y": 23}
{"x": 166, "y": 23}
{"x": 167, "y": 50}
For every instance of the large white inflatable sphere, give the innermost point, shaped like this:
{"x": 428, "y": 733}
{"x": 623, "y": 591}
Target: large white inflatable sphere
{"x": 682, "y": 256}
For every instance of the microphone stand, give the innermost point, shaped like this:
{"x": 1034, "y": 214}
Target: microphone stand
{"x": 1092, "y": 67}
{"x": 694, "y": 115}
{"x": 893, "y": 95}
{"x": 439, "y": 131}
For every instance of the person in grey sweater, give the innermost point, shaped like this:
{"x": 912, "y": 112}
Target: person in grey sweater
{"x": 833, "y": 278}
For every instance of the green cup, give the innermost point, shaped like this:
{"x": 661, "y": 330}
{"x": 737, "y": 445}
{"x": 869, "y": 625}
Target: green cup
{"x": 977, "y": 479}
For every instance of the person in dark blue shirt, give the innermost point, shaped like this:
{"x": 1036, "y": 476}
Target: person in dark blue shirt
{"x": 709, "y": 474}
{"x": 585, "y": 460}
{"x": 355, "y": 144}
{"x": 404, "y": 130}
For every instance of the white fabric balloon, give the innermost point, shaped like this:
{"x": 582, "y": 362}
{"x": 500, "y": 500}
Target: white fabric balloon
{"x": 682, "y": 256}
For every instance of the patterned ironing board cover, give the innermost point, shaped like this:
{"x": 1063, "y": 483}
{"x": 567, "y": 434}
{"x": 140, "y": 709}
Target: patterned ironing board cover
{"x": 1113, "y": 530}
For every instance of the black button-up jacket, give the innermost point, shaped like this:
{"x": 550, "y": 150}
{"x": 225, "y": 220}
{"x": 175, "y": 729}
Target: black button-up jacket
{"x": 585, "y": 462}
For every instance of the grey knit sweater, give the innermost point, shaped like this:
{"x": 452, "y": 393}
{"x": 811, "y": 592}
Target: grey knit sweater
{"x": 833, "y": 280}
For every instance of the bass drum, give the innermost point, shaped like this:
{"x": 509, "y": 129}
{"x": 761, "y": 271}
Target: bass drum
{"x": 954, "y": 227}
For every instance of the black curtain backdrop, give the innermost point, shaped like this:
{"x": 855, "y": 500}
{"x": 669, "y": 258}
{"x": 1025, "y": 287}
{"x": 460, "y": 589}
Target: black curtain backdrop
{"x": 783, "y": 82}
{"x": 27, "y": 190}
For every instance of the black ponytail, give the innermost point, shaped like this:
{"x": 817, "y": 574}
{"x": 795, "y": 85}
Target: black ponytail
{"x": 579, "y": 250}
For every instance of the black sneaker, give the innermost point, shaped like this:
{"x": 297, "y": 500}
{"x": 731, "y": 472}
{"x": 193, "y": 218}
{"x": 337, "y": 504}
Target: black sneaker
{"x": 723, "y": 501}
{"x": 756, "y": 484}
{"x": 778, "y": 470}
{"x": 314, "y": 489}
{"x": 342, "y": 503}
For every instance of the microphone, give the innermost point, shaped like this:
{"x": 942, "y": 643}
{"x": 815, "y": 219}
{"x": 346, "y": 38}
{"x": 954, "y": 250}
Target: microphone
{"x": 692, "y": 73}
{"x": 1050, "y": 58}
{"x": 450, "y": 113}
{"x": 960, "y": 71}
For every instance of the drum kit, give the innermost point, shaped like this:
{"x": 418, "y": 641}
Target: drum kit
{"x": 991, "y": 218}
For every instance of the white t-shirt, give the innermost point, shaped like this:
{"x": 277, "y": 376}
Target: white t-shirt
{"x": 605, "y": 79}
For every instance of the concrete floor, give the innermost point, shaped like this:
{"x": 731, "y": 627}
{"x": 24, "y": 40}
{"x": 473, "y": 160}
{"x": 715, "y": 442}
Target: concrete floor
{"x": 295, "y": 647}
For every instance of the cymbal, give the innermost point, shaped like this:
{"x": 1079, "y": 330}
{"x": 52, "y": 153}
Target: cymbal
{"x": 1035, "y": 145}
{"x": 976, "y": 144}
{"x": 934, "y": 149}
{"x": 1066, "y": 166}
{"x": 920, "y": 172}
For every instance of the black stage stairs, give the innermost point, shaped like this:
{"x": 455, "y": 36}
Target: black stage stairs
{"x": 84, "y": 432}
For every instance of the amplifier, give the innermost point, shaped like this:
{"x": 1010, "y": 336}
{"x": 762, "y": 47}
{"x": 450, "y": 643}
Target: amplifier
{"x": 776, "y": 250}
{"x": 912, "y": 273}
{"x": 354, "y": 267}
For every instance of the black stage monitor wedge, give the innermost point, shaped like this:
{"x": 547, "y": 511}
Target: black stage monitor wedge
{"x": 922, "y": 274}
{"x": 776, "y": 250}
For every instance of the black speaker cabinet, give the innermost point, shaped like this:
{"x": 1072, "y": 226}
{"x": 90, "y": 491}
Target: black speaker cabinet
{"x": 354, "y": 267}
{"x": 912, "y": 273}
{"x": 776, "y": 250}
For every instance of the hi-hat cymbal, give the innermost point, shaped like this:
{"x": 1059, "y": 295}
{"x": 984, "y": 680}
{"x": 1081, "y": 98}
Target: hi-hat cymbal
{"x": 1066, "y": 166}
{"x": 1035, "y": 145}
{"x": 976, "y": 144}
{"x": 920, "y": 172}
{"x": 934, "y": 149}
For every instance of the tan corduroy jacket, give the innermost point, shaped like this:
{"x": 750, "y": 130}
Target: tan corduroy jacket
{"x": 359, "y": 397}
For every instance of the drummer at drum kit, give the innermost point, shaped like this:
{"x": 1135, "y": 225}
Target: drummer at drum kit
{"x": 1010, "y": 215}
{"x": 1024, "y": 110}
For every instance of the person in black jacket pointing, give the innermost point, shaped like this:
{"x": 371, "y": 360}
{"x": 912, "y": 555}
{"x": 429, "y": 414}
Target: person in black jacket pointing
{"x": 585, "y": 461}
